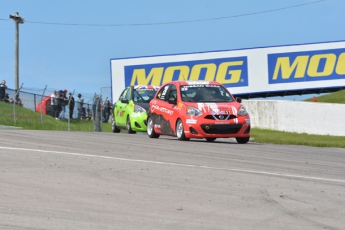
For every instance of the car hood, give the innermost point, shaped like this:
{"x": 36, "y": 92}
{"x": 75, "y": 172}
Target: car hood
{"x": 217, "y": 108}
{"x": 144, "y": 105}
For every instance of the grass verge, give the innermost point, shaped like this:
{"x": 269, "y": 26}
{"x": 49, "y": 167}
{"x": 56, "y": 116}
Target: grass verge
{"x": 288, "y": 138}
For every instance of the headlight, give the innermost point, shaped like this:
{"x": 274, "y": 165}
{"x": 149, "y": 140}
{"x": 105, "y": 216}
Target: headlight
{"x": 242, "y": 111}
{"x": 139, "y": 109}
{"x": 193, "y": 111}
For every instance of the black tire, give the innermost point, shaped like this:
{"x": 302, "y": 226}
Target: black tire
{"x": 180, "y": 131}
{"x": 128, "y": 126}
{"x": 210, "y": 139}
{"x": 150, "y": 130}
{"x": 242, "y": 140}
{"x": 113, "y": 126}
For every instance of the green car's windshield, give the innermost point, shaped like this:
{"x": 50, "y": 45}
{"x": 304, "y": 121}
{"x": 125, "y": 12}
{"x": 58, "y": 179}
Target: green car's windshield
{"x": 144, "y": 94}
{"x": 205, "y": 93}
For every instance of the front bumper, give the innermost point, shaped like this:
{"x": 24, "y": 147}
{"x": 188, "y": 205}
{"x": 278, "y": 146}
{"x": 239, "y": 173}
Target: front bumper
{"x": 138, "y": 122}
{"x": 205, "y": 128}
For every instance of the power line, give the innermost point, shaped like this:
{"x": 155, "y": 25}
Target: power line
{"x": 178, "y": 22}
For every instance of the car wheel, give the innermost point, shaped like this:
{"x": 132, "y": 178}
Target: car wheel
{"x": 128, "y": 125}
{"x": 180, "y": 131}
{"x": 150, "y": 130}
{"x": 210, "y": 139}
{"x": 113, "y": 126}
{"x": 242, "y": 140}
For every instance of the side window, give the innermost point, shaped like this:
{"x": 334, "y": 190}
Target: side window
{"x": 123, "y": 94}
{"x": 172, "y": 92}
{"x": 128, "y": 95}
{"x": 162, "y": 92}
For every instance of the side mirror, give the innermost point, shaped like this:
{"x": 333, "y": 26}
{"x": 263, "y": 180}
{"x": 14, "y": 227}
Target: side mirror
{"x": 124, "y": 100}
{"x": 172, "y": 100}
{"x": 238, "y": 99}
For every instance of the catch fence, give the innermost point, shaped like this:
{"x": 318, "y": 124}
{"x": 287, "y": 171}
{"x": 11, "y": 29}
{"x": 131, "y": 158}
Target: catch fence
{"x": 41, "y": 101}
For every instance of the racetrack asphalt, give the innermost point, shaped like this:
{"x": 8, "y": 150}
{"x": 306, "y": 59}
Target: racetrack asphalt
{"x": 90, "y": 180}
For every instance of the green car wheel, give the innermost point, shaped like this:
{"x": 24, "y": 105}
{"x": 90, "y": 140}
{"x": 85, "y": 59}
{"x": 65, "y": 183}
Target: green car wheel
{"x": 129, "y": 127}
{"x": 113, "y": 126}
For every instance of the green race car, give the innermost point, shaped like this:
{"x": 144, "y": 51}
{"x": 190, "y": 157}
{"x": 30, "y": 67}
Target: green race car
{"x": 130, "y": 109}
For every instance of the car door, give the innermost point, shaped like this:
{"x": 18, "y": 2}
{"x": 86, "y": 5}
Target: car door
{"x": 121, "y": 104}
{"x": 163, "y": 111}
{"x": 128, "y": 105}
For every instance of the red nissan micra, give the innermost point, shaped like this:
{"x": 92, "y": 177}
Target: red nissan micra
{"x": 197, "y": 109}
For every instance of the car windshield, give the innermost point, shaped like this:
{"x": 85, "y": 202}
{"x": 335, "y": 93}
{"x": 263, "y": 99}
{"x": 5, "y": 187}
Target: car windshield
{"x": 144, "y": 94}
{"x": 205, "y": 93}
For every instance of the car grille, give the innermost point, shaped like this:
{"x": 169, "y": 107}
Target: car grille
{"x": 220, "y": 117}
{"x": 221, "y": 128}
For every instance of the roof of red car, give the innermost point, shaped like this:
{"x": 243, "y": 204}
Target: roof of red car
{"x": 198, "y": 82}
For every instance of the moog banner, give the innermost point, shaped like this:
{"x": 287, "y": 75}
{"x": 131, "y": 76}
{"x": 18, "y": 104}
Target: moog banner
{"x": 245, "y": 71}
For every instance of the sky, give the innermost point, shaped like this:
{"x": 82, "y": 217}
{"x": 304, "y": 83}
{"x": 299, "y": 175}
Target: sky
{"x": 68, "y": 44}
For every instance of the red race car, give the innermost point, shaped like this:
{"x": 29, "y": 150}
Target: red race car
{"x": 197, "y": 109}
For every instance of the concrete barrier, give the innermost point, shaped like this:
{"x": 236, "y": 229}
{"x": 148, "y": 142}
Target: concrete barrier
{"x": 296, "y": 116}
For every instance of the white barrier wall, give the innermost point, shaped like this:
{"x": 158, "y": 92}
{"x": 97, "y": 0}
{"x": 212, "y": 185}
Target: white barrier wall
{"x": 300, "y": 117}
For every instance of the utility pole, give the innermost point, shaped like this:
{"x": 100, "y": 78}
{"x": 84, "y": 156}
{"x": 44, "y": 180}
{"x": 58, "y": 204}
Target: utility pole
{"x": 15, "y": 17}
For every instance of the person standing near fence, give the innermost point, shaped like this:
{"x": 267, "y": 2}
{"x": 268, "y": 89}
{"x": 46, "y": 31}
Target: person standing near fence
{"x": 3, "y": 88}
{"x": 53, "y": 103}
{"x": 107, "y": 111}
{"x": 71, "y": 105}
{"x": 63, "y": 100}
{"x": 80, "y": 103}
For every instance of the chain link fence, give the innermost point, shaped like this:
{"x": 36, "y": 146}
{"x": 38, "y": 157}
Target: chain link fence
{"x": 101, "y": 111}
{"x": 59, "y": 104}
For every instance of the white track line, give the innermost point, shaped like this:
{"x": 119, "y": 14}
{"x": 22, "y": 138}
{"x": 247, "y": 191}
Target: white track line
{"x": 183, "y": 165}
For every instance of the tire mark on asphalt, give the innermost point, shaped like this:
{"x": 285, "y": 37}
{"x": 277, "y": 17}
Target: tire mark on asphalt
{"x": 270, "y": 200}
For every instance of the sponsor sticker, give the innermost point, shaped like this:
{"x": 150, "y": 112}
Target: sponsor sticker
{"x": 230, "y": 71}
{"x": 191, "y": 121}
{"x": 306, "y": 66}
{"x": 161, "y": 109}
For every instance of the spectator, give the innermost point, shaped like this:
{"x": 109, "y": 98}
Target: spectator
{"x": 62, "y": 102}
{"x": 18, "y": 101}
{"x": 71, "y": 105}
{"x": 58, "y": 103}
{"x": 107, "y": 111}
{"x": 7, "y": 98}
{"x": 3, "y": 88}
{"x": 80, "y": 103}
{"x": 53, "y": 103}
